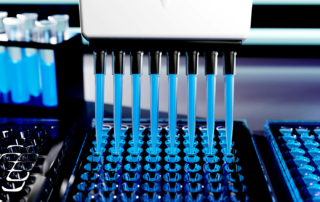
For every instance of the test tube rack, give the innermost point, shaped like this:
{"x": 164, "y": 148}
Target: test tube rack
{"x": 69, "y": 74}
{"x": 99, "y": 178}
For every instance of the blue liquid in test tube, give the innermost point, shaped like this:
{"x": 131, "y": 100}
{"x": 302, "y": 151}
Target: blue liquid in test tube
{"x": 31, "y": 55}
{"x": 4, "y": 76}
{"x": 192, "y": 78}
{"x": 46, "y": 33}
{"x": 17, "y": 70}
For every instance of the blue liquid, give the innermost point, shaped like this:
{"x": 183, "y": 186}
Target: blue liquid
{"x": 172, "y": 109}
{"x": 99, "y": 108}
{"x": 33, "y": 71}
{"x": 229, "y": 82}
{"x": 135, "y": 110}
{"x": 192, "y": 78}
{"x": 18, "y": 79}
{"x": 48, "y": 78}
{"x": 154, "y": 109}
{"x": 211, "y": 81}
{"x": 4, "y": 77}
{"x": 117, "y": 109}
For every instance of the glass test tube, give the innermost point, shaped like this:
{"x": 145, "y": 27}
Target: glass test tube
{"x": 46, "y": 34}
{"x": 211, "y": 59}
{"x": 173, "y": 59}
{"x": 31, "y": 55}
{"x": 136, "y": 71}
{"x": 192, "y": 70}
{"x": 62, "y": 26}
{"x": 154, "y": 71}
{"x": 118, "y": 63}
{"x": 4, "y": 71}
{"x": 229, "y": 60}
{"x": 17, "y": 71}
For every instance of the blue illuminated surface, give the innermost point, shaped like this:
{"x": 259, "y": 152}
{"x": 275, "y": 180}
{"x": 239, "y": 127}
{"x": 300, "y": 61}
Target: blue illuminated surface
{"x": 192, "y": 78}
{"x": 99, "y": 108}
{"x": 49, "y": 84}
{"x": 229, "y": 86}
{"x": 135, "y": 110}
{"x": 211, "y": 81}
{"x": 154, "y": 109}
{"x": 117, "y": 113}
{"x": 172, "y": 109}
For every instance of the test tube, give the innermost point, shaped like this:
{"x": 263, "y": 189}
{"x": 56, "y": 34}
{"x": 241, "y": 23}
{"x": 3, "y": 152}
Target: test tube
{"x": 4, "y": 74}
{"x": 192, "y": 60}
{"x": 46, "y": 34}
{"x": 31, "y": 56}
{"x": 62, "y": 26}
{"x": 136, "y": 71}
{"x": 154, "y": 71}
{"x": 118, "y": 63}
{"x": 173, "y": 59}
{"x": 17, "y": 71}
{"x": 99, "y": 71}
{"x": 229, "y": 67}
{"x": 211, "y": 59}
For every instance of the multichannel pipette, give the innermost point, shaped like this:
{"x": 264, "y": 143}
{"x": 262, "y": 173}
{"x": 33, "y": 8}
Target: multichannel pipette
{"x": 118, "y": 63}
{"x": 211, "y": 59}
{"x": 173, "y": 71}
{"x": 154, "y": 71}
{"x": 136, "y": 71}
{"x": 99, "y": 71}
{"x": 192, "y": 59}
{"x": 229, "y": 67}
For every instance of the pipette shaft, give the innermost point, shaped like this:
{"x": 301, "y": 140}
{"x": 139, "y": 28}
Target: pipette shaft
{"x": 154, "y": 70}
{"x": 192, "y": 70}
{"x": 136, "y": 64}
{"x": 99, "y": 68}
{"x": 229, "y": 71}
{"x": 117, "y": 61}
{"x": 173, "y": 71}
{"x": 211, "y": 72}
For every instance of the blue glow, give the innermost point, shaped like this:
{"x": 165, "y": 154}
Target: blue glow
{"x": 117, "y": 109}
{"x": 283, "y": 36}
{"x": 192, "y": 78}
{"x": 135, "y": 110}
{"x": 173, "y": 78}
{"x": 211, "y": 83}
{"x": 33, "y": 71}
{"x": 48, "y": 77}
{"x": 154, "y": 109}
{"x": 19, "y": 90}
{"x": 229, "y": 86}
{"x": 99, "y": 108}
